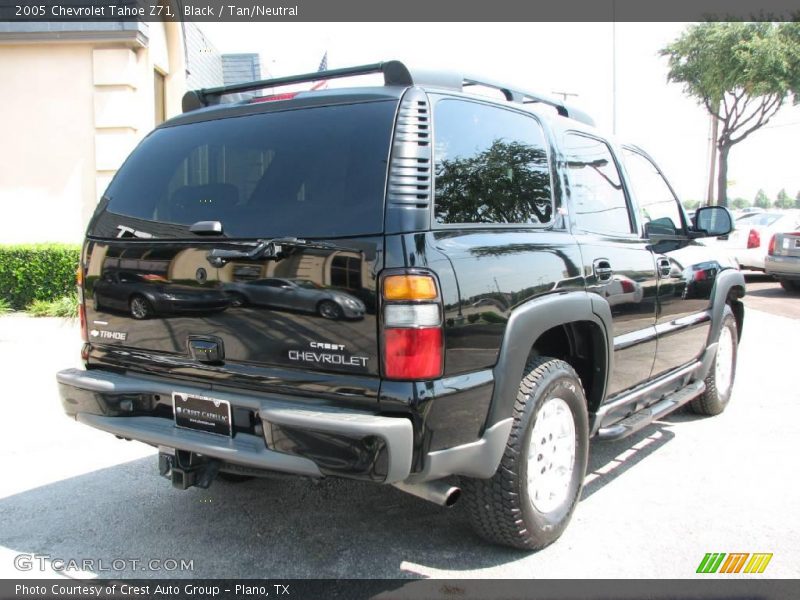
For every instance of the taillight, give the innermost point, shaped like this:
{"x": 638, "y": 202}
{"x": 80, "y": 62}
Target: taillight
{"x": 753, "y": 239}
{"x": 273, "y": 97}
{"x": 81, "y": 304}
{"x": 411, "y": 327}
{"x": 771, "y": 249}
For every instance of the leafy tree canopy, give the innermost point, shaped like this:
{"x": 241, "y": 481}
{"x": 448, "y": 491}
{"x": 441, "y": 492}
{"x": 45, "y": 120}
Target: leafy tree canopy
{"x": 741, "y": 72}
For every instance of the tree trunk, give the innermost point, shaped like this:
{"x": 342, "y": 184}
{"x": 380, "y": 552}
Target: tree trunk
{"x": 722, "y": 176}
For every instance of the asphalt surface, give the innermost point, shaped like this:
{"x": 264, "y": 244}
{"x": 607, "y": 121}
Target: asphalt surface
{"x": 654, "y": 504}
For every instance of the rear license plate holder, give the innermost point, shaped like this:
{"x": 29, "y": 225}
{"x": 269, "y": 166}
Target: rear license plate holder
{"x": 201, "y": 413}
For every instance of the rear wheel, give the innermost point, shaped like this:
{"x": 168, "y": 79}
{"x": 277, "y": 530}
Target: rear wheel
{"x": 719, "y": 382}
{"x": 330, "y": 310}
{"x": 140, "y": 307}
{"x": 790, "y": 285}
{"x": 529, "y": 501}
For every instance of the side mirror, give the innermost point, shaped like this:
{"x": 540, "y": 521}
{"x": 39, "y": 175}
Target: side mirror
{"x": 713, "y": 221}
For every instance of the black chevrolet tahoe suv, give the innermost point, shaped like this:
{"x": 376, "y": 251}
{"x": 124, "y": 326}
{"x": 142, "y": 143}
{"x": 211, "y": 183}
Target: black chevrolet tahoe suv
{"x": 403, "y": 283}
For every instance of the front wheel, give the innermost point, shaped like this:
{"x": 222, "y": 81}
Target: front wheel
{"x": 529, "y": 501}
{"x": 328, "y": 309}
{"x": 719, "y": 382}
{"x": 140, "y": 308}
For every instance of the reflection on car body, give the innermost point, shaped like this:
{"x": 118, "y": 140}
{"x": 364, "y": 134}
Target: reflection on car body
{"x": 297, "y": 294}
{"x": 145, "y": 295}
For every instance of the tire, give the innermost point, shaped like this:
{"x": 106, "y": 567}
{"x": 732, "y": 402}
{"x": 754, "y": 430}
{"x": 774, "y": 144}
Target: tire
{"x": 719, "y": 382}
{"x": 328, "y": 309}
{"x": 140, "y": 307}
{"x": 508, "y": 509}
{"x": 790, "y": 285}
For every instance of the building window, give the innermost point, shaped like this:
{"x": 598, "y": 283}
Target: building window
{"x": 346, "y": 272}
{"x": 159, "y": 96}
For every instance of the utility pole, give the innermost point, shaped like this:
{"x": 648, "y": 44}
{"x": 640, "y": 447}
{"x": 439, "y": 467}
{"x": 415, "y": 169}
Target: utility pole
{"x": 614, "y": 70}
{"x": 712, "y": 167}
{"x": 564, "y": 95}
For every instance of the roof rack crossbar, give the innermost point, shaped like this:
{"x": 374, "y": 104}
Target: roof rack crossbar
{"x": 394, "y": 73}
{"x": 520, "y": 96}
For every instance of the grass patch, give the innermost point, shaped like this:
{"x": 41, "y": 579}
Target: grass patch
{"x": 66, "y": 306}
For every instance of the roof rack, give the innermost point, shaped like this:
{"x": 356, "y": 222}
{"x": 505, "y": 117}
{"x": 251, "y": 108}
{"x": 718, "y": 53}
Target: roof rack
{"x": 394, "y": 73}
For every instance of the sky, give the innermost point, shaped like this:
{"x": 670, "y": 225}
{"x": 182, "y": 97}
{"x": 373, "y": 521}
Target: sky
{"x": 577, "y": 58}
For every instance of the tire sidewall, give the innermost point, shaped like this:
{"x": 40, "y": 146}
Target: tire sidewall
{"x": 566, "y": 386}
{"x": 728, "y": 322}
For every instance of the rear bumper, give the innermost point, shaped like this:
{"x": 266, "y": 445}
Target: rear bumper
{"x": 290, "y": 438}
{"x": 787, "y": 267}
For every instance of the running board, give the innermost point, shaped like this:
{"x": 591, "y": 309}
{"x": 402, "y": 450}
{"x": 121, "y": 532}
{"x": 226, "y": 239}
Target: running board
{"x": 643, "y": 418}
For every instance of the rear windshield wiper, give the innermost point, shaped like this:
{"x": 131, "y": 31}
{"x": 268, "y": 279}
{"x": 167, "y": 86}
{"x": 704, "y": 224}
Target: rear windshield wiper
{"x": 272, "y": 249}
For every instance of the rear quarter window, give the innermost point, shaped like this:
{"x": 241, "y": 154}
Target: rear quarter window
{"x": 491, "y": 166}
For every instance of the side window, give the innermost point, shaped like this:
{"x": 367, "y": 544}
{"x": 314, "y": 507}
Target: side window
{"x": 598, "y": 200}
{"x": 657, "y": 204}
{"x": 491, "y": 165}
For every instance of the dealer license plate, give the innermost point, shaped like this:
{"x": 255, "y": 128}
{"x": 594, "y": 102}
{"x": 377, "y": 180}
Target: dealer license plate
{"x": 202, "y": 414}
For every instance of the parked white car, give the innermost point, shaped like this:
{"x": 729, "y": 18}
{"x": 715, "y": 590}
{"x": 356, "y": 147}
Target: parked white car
{"x": 749, "y": 241}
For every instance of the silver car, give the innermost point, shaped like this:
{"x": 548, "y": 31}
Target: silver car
{"x": 296, "y": 294}
{"x": 783, "y": 260}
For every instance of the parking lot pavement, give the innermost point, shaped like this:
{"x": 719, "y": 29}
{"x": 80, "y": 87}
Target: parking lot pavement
{"x": 653, "y": 505}
{"x": 764, "y": 293}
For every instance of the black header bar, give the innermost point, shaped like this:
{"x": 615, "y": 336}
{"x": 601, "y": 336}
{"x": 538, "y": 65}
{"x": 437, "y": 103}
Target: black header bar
{"x": 405, "y": 10}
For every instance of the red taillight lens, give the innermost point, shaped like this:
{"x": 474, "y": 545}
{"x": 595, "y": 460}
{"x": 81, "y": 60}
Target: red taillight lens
{"x": 771, "y": 250}
{"x": 412, "y": 326}
{"x": 753, "y": 239}
{"x": 412, "y": 353}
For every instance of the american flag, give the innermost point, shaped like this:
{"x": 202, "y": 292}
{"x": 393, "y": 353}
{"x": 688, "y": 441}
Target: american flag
{"x": 323, "y": 66}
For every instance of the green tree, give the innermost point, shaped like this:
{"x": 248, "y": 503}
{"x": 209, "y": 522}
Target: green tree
{"x": 761, "y": 200}
{"x": 509, "y": 182}
{"x": 783, "y": 200}
{"x": 691, "y": 204}
{"x": 739, "y": 203}
{"x": 741, "y": 72}
{"x": 797, "y": 200}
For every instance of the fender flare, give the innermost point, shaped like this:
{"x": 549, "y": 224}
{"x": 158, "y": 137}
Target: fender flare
{"x": 526, "y": 324}
{"x": 724, "y": 285}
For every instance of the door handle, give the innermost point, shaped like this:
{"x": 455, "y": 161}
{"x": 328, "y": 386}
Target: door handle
{"x": 602, "y": 269}
{"x": 664, "y": 267}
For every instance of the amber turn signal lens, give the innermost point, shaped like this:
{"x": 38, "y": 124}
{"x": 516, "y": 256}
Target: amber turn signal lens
{"x": 409, "y": 287}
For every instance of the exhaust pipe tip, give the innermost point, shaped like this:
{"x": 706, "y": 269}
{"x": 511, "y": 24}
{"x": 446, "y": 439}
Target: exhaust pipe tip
{"x": 453, "y": 496}
{"x": 438, "y": 492}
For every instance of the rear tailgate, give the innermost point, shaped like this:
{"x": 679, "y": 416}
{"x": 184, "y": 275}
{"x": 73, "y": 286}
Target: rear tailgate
{"x": 162, "y": 298}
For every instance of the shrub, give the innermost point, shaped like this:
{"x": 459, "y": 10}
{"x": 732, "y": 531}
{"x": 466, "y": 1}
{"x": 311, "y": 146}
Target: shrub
{"x": 31, "y": 272}
{"x": 66, "y": 306}
{"x": 5, "y": 307}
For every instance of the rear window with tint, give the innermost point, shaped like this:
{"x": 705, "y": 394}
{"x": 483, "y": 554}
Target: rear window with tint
{"x": 314, "y": 172}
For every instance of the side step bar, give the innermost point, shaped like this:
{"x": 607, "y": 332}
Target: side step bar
{"x": 643, "y": 418}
